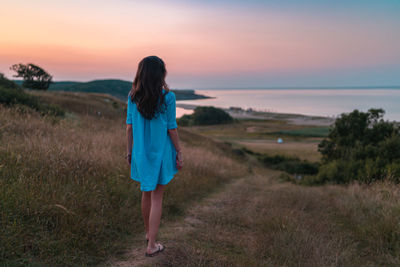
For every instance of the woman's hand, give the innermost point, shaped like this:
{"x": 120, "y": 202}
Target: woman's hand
{"x": 173, "y": 134}
{"x": 179, "y": 160}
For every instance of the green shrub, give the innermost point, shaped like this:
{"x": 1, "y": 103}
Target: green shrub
{"x": 185, "y": 120}
{"x": 16, "y": 96}
{"x": 292, "y": 165}
{"x": 4, "y": 82}
{"x": 115, "y": 105}
{"x": 284, "y": 177}
{"x": 329, "y": 172}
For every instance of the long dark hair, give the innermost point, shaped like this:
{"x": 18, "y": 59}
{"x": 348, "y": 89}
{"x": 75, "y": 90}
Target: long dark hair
{"x": 147, "y": 87}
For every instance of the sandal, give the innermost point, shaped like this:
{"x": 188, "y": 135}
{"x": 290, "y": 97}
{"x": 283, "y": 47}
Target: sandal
{"x": 160, "y": 249}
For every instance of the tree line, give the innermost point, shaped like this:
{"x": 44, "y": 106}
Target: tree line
{"x": 361, "y": 146}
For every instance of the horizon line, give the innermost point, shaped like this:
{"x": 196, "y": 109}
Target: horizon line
{"x": 251, "y": 88}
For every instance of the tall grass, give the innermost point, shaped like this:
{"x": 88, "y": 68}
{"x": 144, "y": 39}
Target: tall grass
{"x": 259, "y": 222}
{"x": 65, "y": 193}
{"x": 10, "y": 96}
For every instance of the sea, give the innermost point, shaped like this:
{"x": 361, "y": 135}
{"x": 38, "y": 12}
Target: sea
{"x": 314, "y": 102}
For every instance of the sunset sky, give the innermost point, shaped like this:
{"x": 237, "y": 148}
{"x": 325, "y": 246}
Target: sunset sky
{"x": 208, "y": 44}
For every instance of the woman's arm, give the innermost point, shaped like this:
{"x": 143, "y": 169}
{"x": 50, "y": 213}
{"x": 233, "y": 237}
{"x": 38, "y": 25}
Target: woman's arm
{"x": 129, "y": 142}
{"x": 173, "y": 133}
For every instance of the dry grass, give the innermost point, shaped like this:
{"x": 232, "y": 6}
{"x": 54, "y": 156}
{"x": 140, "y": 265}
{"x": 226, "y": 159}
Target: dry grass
{"x": 65, "y": 193}
{"x": 66, "y": 199}
{"x": 94, "y": 104}
{"x": 258, "y": 222}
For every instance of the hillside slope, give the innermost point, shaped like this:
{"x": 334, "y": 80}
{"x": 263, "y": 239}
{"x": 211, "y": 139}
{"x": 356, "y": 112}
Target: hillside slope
{"x": 114, "y": 87}
{"x": 66, "y": 198}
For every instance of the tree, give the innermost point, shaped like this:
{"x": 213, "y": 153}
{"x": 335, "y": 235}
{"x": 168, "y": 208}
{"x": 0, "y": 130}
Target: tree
{"x": 34, "y": 76}
{"x": 361, "y": 146}
{"x": 206, "y": 116}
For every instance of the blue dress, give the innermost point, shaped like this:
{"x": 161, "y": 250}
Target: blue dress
{"x": 153, "y": 153}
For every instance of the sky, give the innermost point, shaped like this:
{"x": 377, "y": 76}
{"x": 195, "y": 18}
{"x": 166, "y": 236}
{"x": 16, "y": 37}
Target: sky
{"x": 208, "y": 44}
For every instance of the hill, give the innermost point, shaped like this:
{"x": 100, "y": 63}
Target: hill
{"x": 114, "y": 87}
{"x": 66, "y": 196}
{"x": 67, "y": 199}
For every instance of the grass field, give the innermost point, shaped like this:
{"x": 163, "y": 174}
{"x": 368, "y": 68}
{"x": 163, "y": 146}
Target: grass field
{"x": 256, "y": 221}
{"x": 261, "y": 136}
{"x": 306, "y": 132}
{"x": 306, "y": 150}
{"x": 66, "y": 198}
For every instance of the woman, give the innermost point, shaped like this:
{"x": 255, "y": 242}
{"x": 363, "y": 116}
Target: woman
{"x": 153, "y": 149}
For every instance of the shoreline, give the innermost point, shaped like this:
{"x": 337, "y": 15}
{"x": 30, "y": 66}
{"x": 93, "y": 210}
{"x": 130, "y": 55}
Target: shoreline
{"x": 314, "y": 103}
{"x": 188, "y": 94}
{"x": 291, "y": 118}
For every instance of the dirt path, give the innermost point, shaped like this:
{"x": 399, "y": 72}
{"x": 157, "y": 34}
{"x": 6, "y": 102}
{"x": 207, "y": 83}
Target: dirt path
{"x": 171, "y": 232}
{"x": 257, "y": 221}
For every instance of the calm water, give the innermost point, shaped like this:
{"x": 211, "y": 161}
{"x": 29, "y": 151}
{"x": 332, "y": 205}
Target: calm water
{"x": 325, "y": 102}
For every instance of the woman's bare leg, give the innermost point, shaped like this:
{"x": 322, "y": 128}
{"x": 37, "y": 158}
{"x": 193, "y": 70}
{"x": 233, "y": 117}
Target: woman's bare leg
{"x": 155, "y": 217}
{"x": 146, "y": 204}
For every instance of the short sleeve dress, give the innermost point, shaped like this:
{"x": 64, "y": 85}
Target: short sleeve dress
{"x": 153, "y": 153}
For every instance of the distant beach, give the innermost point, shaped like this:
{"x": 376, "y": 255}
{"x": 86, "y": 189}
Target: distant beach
{"x": 311, "y": 102}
